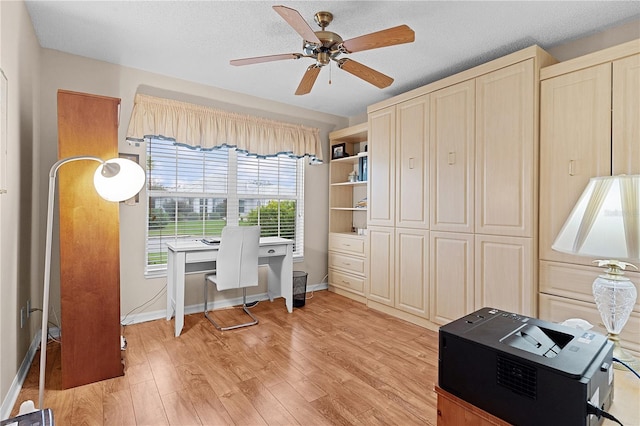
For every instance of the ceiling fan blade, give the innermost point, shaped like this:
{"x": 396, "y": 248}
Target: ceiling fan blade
{"x": 269, "y": 58}
{"x": 298, "y": 23}
{"x": 308, "y": 79}
{"x": 364, "y": 72}
{"x": 389, "y": 37}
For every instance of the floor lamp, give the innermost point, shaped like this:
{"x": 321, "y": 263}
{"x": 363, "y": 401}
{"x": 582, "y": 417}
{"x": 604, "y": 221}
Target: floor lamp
{"x": 605, "y": 223}
{"x": 116, "y": 180}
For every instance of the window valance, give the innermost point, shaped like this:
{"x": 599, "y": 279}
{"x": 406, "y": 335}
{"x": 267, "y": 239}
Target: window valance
{"x": 207, "y": 128}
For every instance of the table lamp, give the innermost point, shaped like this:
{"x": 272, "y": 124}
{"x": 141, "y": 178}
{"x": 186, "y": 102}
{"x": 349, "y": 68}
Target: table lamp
{"x": 605, "y": 223}
{"x": 117, "y": 179}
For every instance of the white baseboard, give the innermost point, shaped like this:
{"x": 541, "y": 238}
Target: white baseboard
{"x": 194, "y": 309}
{"x": 16, "y": 386}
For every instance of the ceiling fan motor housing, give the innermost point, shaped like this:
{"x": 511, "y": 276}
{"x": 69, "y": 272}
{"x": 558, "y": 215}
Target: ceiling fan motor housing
{"x": 327, "y": 50}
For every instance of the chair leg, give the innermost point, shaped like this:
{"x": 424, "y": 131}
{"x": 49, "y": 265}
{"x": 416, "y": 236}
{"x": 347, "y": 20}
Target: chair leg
{"x": 244, "y": 308}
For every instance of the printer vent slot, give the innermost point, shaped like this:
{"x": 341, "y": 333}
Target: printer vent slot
{"x": 517, "y": 377}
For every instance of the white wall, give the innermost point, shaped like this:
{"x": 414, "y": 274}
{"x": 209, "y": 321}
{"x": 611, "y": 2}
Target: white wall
{"x": 70, "y": 72}
{"x": 19, "y": 59}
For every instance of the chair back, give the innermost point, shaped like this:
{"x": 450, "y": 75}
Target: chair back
{"x": 237, "y": 260}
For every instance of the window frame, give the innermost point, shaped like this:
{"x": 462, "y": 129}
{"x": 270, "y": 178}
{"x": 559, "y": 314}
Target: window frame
{"x": 232, "y": 198}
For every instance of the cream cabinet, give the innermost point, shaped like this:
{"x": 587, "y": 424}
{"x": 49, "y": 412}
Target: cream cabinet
{"x": 348, "y": 253}
{"x": 458, "y": 159}
{"x": 590, "y": 110}
{"x": 399, "y": 209}
{"x": 484, "y": 184}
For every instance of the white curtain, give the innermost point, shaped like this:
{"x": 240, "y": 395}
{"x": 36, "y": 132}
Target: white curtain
{"x": 205, "y": 127}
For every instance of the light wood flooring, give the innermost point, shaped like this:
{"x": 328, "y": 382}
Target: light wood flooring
{"x": 333, "y": 361}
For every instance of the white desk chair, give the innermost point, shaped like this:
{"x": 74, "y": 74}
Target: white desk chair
{"x": 236, "y": 267}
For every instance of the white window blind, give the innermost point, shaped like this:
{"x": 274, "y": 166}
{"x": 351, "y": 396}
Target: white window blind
{"x": 194, "y": 193}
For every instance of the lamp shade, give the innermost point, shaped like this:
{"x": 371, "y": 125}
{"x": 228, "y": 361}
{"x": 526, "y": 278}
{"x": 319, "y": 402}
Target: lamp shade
{"x": 118, "y": 179}
{"x": 605, "y": 222}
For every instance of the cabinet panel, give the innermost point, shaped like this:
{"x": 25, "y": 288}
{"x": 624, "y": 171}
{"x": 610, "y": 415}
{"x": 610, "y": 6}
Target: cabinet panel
{"x": 412, "y": 160}
{"x": 626, "y": 116}
{"x": 381, "y": 264}
{"x": 451, "y": 142}
{"x": 382, "y": 175}
{"x": 451, "y": 276}
{"x": 504, "y": 277}
{"x": 505, "y": 156}
{"x": 575, "y": 131}
{"x": 412, "y": 276}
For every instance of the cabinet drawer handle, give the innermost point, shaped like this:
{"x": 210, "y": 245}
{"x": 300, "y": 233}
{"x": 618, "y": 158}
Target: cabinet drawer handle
{"x": 347, "y": 245}
{"x": 572, "y": 168}
{"x": 271, "y": 251}
{"x": 451, "y": 158}
{"x": 345, "y": 282}
{"x": 347, "y": 264}
{"x": 411, "y": 162}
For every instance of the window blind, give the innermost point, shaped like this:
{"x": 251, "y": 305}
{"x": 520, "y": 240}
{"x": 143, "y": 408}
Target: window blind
{"x": 194, "y": 193}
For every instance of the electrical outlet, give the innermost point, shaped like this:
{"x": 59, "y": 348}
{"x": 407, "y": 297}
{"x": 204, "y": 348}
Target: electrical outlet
{"x": 22, "y": 317}
{"x": 28, "y": 308}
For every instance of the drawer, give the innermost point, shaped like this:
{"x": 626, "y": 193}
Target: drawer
{"x": 200, "y": 256}
{"x": 559, "y": 309}
{"x": 346, "y": 281}
{"x": 346, "y": 263}
{"x": 576, "y": 281}
{"x": 267, "y": 251}
{"x": 352, "y": 244}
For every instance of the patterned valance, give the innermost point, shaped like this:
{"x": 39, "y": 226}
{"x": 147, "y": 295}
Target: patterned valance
{"x": 207, "y": 128}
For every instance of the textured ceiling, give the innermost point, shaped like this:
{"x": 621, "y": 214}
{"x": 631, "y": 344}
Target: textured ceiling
{"x": 194, "y": 40}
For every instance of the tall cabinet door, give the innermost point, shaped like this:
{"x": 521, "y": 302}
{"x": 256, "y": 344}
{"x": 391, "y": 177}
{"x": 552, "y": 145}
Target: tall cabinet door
{"x": 382, "y": 174}
{"x": 505, "y": 154}
{"x": 412, "y": 160}
{"x": 452, "y": 134}
{"x": 381, "y": 265}
{"x": 89, "y": 242}
{"x": 626, "y": 116}
{"x": 412, "y": 271}
{"x": 575, "y": 134}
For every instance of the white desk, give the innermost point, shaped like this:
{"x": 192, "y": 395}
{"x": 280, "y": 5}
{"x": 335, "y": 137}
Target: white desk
{"x": 197, "y": 257}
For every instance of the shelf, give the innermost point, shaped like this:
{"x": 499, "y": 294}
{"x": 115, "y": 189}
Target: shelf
{"x": 357, "y": 183}
{"x": 351, "y": 234}
{"x": 364, "y": 209}
{"x": 353, "y": 159}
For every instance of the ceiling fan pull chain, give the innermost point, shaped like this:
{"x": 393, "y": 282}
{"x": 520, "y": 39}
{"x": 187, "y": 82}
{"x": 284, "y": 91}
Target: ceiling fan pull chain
{"x": 329, "y": 72}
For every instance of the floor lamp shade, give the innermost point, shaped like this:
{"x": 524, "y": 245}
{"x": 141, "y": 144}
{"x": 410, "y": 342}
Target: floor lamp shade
{"x": 117, "y": 179}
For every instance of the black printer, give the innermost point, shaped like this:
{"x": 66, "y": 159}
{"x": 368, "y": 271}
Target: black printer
{"x": 524, "y": 370}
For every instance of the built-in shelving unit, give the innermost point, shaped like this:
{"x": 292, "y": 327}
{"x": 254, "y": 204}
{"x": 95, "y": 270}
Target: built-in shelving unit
{"x": 348, "y": 247}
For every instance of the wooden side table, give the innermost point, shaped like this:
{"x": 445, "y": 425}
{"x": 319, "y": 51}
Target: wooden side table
{"x": 453, "y": 411}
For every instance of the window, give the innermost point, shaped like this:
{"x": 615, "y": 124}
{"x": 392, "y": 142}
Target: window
{"x": 194, "y": 193}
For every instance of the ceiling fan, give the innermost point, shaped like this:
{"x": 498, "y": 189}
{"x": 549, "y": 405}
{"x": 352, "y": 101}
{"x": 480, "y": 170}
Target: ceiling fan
{"x": 325, "y": 46}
